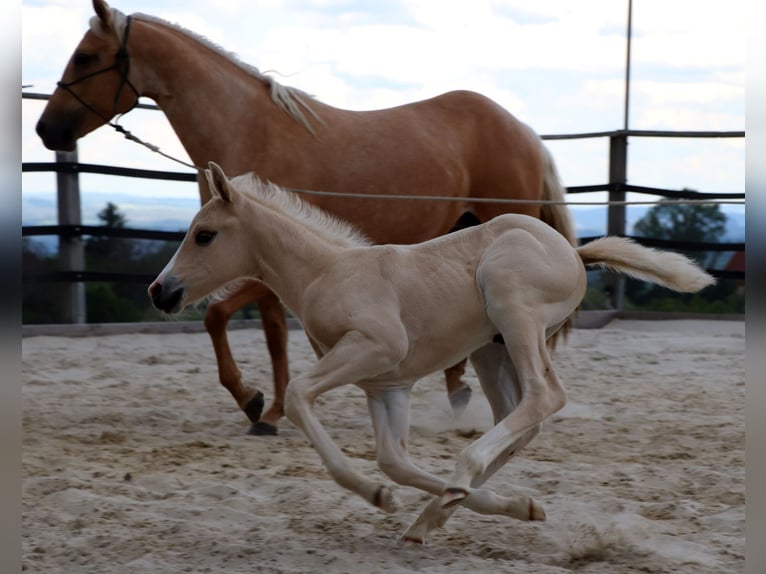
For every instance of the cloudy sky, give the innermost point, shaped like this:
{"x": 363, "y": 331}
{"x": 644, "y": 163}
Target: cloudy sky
{"x": 559, "y": 65}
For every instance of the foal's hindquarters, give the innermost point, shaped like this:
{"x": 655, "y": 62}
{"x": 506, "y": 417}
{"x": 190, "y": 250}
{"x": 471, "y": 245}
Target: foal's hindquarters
{"x": 530, "y": 289}
{"x": 525, "y": 282}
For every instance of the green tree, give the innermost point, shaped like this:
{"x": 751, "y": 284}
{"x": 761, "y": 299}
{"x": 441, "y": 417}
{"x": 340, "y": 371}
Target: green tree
{"x": 691, "y": 223}
{"x": 107, "y": 253}
{"x": 39, "y": 299}
{"x": 684, "y": 222}
{"x": 112, "y": 302}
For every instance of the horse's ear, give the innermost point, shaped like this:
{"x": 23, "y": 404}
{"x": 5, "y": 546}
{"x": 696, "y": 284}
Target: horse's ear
{"x": 104, "y": 13}
{"x": 218, "y": 182}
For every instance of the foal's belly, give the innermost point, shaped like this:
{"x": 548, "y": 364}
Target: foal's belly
{"x": 430, "y": 355}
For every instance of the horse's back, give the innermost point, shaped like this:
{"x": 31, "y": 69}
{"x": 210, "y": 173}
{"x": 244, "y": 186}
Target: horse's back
{"x": 505, "y": 156}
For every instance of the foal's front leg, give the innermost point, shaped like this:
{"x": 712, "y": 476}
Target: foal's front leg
{"x": 355, "y": 358}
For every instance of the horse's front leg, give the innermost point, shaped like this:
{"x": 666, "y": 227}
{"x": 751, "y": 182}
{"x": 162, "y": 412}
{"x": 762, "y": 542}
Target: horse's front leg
{"x": 275, "y": 330}
{"x": 355, "y": 358}
{"x": 216, "y": 320}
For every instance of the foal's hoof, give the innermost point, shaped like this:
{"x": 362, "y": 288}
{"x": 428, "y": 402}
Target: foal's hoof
{"x": 536, "y": 511}
{"x": 254, "y": 407}
{"x": 384, "y": 499}
{"x": 413, "y": 540}
{"x": 453, "y": 496}
{"x": 459, "y": 399}
{"x": 262, "y": 429}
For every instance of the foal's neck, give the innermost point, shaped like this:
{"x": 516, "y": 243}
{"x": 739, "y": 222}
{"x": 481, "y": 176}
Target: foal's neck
{"x": 286, "y": 253}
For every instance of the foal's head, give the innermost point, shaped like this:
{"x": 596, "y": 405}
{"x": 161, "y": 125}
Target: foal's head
{"x": 96, "y": 84}
{"x": 211, "y": 255}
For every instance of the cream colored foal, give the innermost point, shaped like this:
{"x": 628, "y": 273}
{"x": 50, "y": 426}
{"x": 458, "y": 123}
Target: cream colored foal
{"x": 383, "y": 316}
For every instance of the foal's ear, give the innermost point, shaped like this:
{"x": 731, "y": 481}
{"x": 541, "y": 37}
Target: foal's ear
{"x": 218, "y": 182}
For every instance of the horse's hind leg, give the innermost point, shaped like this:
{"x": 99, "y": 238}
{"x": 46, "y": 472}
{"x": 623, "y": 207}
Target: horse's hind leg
{"x": 458, "y": 391}
{"x": 275, "y": 329}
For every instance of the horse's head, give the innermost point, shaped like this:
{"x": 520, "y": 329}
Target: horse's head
{"x": 210, "y": 255}
{"x": 96, "y": 84}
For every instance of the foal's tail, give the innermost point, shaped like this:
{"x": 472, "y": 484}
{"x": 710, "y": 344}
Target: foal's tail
{"x": 665, "y": 268}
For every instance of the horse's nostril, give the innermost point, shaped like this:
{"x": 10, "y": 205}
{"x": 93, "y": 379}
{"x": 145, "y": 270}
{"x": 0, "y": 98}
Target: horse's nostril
{"x": 40, "y": 129}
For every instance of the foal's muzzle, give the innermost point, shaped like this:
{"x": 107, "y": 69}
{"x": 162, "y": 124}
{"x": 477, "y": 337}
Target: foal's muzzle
{"x": 167, "y": 297}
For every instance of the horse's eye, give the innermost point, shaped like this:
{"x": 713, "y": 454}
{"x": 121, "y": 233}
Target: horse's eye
{"x": 82, "y": 59}
{"x": 204, "y": 237}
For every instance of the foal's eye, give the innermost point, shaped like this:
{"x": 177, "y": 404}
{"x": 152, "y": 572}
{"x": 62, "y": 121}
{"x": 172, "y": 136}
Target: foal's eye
{"x": 204, "y": 237}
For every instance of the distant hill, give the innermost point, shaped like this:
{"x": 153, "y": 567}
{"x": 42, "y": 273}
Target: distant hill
{"x": 592, "y": 221}
{"x": 174, "y": 214}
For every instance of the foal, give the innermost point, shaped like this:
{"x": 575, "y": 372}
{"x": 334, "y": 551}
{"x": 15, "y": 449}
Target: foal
{"x": 383, "y": 316}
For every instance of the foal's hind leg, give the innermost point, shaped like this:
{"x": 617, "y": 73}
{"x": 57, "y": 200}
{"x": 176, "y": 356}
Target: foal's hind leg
{"x": 389, "y": 410}
{"x": 541, "y": 395}
{"x": 272, "y": 316}
{"x": 435, "y": 515}
{"x": 497, "y": 377}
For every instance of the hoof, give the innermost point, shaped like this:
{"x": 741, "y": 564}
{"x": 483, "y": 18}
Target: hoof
{"x": 384, "y": 499}
{"x": 254, "y": 407}
{"x": 459, "y": 399}
{"x": 262, "y": 429}
{"x": 413, "y": 540}
{"x": 453, "y": 496}
{"x": 536, "y": 511}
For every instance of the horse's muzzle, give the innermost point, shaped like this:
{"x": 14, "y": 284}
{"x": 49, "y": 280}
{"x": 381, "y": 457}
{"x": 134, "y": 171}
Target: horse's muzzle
{"x": 56, "y": 138}
{"x": 167, "y": 297}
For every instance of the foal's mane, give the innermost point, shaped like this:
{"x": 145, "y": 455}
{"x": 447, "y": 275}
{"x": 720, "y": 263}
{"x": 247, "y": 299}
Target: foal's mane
{"x": 288, "y": 203}
{"x": 290, "y": 100}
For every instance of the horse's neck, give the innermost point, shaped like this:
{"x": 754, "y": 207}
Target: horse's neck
{"x": 218, "y": 110}
{"x": 287, "y": 254}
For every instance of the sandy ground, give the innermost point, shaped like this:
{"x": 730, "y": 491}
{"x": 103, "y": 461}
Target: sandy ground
{"x": 135, "y": 460}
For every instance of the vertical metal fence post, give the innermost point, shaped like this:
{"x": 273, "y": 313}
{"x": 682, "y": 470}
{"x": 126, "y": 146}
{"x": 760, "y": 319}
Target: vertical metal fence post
{"x": 71, "y": 249}
{"x": 618, "y": 177}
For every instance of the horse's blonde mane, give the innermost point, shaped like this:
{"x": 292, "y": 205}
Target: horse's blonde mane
{"x": 291, "y": 100}
{"x": 290, "y": 204}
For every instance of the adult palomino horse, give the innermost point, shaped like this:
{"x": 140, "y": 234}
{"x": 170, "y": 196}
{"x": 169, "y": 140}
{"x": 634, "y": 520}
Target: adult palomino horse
{"x": 383, "y": 316}
{"x": 459, "y": 144}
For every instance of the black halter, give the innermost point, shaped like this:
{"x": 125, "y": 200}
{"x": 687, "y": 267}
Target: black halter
{"x": 122, "y": 65}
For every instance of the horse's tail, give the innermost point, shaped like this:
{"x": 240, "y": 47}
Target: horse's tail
{"x": 555, "y": 214}
{"x": 665, "y": 268}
